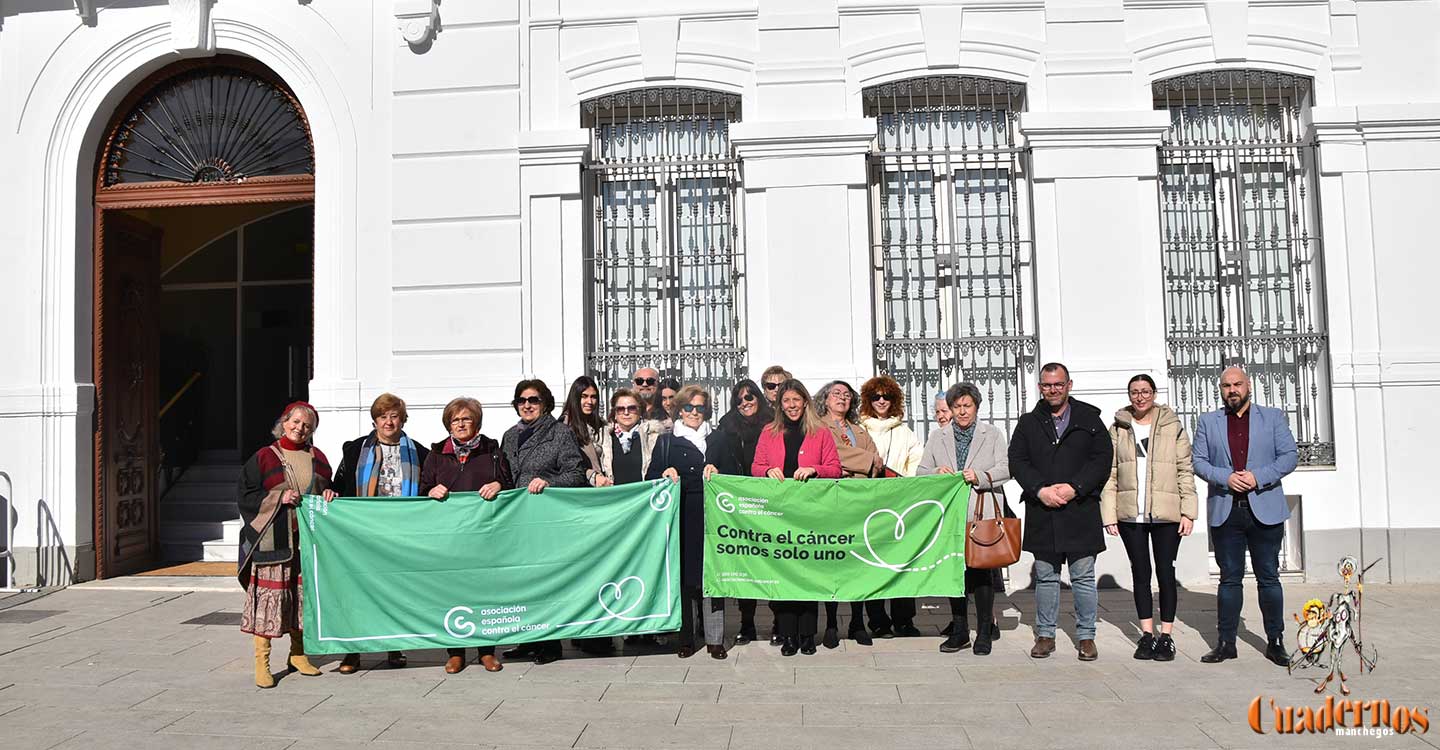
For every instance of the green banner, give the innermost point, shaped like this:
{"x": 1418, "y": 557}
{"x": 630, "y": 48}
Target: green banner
{"x": 835, "y": 540}
{"x": 386, "y": 574}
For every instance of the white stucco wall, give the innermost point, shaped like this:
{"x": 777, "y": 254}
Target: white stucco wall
{"x": 449, "y": 222}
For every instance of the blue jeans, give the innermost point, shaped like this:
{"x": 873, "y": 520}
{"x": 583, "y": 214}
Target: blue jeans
{"x": 1241, "y": 532}
{"x": 1047, "y": 594}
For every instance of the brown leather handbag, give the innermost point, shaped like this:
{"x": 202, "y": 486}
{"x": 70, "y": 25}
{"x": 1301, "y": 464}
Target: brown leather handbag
{"x": 991, "y": 542}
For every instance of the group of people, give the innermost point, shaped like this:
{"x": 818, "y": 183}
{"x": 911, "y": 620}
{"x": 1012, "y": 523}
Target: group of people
{"x": 1079, "y": 480}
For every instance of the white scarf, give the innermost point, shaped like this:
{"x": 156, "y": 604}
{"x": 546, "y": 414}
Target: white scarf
{"x": 626, "y": 436}
{"x": 696, "y": 437}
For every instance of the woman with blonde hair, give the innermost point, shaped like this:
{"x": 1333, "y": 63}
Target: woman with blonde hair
{"x": 797, "y": 445}
{"x": 269, "y": 491}
{"x": 623, "y": 451}
{"x": 679, "y": 456}
{"x": 385, "y": 463}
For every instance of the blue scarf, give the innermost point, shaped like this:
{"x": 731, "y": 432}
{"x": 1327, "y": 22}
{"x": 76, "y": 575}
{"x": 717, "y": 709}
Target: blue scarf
{"x": 366, "y": 474}
{"x": 962, "y": 444}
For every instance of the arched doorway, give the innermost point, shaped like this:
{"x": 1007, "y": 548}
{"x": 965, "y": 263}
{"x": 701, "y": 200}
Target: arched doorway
{"x": 200, "y": 151}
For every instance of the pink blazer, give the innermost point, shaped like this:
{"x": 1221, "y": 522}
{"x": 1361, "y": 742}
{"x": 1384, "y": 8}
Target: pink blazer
{"x": 817, "y": 451}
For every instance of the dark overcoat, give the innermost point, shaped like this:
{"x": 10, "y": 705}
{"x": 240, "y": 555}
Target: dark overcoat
{"x": 1081, "y": 457}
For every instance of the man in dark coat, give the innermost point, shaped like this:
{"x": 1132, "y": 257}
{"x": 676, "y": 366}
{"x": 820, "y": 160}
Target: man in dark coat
{"x": 1060, "y": 454}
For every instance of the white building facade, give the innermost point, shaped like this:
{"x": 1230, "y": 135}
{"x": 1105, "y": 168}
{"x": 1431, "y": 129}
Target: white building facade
{"x": 480, "y": 191}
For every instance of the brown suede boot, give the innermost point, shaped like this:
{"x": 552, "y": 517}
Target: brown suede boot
{"x": 263, "y": 678}
{"x": 298, "y": 661}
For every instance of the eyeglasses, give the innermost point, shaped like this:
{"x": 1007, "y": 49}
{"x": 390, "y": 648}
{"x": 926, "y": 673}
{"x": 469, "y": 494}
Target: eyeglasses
{"x": 1146, "y": 392}
{"x": 840, "y": 395}
{"x": 646, "y": 381}
{"x": 687, "y": 408}
{"x": 532, "y": 400}
{"x": 1053, "y": 386}
{"x": 772, "y": 386}
{"x": 627, "y": 409}
{"x": 463, "y": 420}
{"x": 747, "y": 397}
{"x": 880, "y": 397}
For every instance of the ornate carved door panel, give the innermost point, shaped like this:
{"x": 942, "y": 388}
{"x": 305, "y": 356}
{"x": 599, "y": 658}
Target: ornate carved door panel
{"x": 127, "y": 274}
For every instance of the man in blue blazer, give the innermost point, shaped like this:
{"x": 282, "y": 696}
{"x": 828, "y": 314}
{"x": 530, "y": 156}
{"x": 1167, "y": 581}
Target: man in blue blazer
{"x": 1242, "y": 452}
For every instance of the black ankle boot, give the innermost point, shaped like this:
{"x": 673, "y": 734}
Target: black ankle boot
{"x": 831, "y": 638}
{"x": 788, "y": 647}
{"x": 1275, "y": 651}
{"x": 1223, "y": 650}
{"x": 959, "y": 638}
{"x": 807, "y": 645}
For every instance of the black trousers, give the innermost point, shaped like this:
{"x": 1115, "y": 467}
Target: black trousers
{"x": 857, "y": 615}
{"x": 796, "y": 619}
{"x": 902, "y": 612}
{"x": 980, "y": 585}
{"x": 481, "y": 651}
{"x": 1164, "y": 540}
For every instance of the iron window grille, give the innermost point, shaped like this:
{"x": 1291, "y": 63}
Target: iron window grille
{"x": 665, "y": 267}
{"x": 952, "y": 242}
{"x": 1241, "y": 247}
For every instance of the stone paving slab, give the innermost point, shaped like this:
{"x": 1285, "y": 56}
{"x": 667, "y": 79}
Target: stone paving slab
{"x": 97, "y": 739}
{"x": 557, "y": 731}
{"x": 117, "y": 667}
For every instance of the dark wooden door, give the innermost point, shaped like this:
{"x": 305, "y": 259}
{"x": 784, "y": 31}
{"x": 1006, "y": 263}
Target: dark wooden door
{"x": 127, "y": 283}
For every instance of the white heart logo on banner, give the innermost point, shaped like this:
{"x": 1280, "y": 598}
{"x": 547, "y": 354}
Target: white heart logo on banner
{"x": 618, "y": 587}
{"x": 900, "y": 529}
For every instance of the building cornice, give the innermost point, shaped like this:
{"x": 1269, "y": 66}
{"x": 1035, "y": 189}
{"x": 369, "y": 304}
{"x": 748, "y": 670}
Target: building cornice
{"x": 1122, "y": 129}
{"x": 772, "y": 140}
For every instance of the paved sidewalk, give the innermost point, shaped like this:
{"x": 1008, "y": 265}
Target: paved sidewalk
{"x": 107, "y": 666}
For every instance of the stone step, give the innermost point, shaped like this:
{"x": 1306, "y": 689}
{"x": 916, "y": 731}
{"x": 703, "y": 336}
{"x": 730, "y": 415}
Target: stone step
{"x": 186, "y": 541}
{"x": 226, "y": 473}
{"x": 219, "y": 550}
{"x": 178, "y": 532}
{"x": 187, "y": 492}
{"x": 204, "y": 512}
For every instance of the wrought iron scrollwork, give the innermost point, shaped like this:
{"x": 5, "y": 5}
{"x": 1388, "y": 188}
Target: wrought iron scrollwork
{"x": 210, "y": 124}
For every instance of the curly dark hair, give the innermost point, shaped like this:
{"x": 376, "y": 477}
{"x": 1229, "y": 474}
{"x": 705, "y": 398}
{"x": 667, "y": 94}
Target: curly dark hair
{"x": 886, "y": 385}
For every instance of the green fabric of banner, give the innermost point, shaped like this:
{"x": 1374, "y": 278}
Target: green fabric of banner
{"x": 835, "y": 540}
{"x": 386, "y": 574}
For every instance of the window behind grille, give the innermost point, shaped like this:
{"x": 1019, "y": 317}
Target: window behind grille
{"x": 663, "y": 261}
{"x": 1241, "y": 248}
{"x": 952, "y": 251}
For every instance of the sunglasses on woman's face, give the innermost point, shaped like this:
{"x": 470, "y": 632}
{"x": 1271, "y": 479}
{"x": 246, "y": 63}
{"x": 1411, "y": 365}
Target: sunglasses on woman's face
{"x": 880, "y": 397}
{"x": 645, "y": 381}
{"x": 532, "y": 400}
{"x": 772, "y": 386}
{"x": 626, "y": 409}
{"x": 747, "y": 397}
{"x": 687, "y": 408}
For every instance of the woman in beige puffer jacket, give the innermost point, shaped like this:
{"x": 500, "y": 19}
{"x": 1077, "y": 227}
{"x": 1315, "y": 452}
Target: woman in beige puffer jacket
{"x": 1150, "y": 503}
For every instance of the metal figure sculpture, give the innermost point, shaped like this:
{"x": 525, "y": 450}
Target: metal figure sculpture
{"x": 1329, "y": 630}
